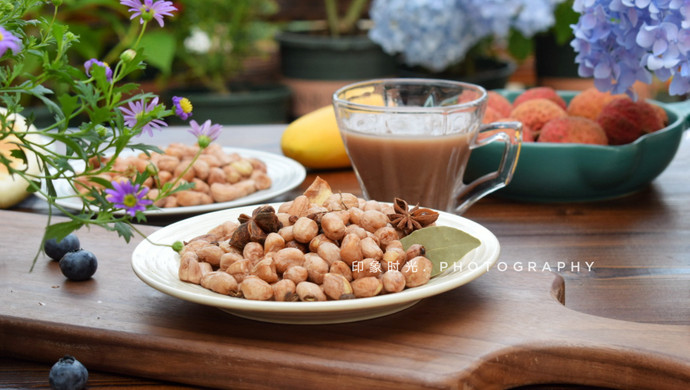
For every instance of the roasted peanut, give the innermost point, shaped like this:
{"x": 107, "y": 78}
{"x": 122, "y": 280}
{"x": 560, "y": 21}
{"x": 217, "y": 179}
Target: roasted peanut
{"x": 287, "y": 232}
{"x": 355, "y": 229}
{"x": 253, "y": 251}
{"x": 329, "y": 252}
{"x": 299, "y": 206}
{"x": 305, "y": 229}
{"x": 318, "y": 240}
{"x": 316, "y": 267}
{"x": 333, "y": 226}
{"x": 266, "y": 270}
{"x": 254, "y": 288}
{"x": 414, "y": 250}
{"x": 393, "y": 259}
{"x": 310, "y": 292}
{"x": 228, "y": 258}
{"x": 351, "y": 249}
{"x": 296, "y": 273}
{"x": 355, "y": 215}
{"x": 273, "y": 242}
{"x": 220, "y": 282}
{"x": 340, "y": 267}
{"x": 372, "y": 205}
{"x": 284, "y": 290}
{"x": 393, "y": 281}
{"x": 287, "y": 257}
{"x": 386, "y": 235}
{"x": 335, "y": 286}
{"x": 210, "y": 254}
{"x": 372, "y": 220}
{"x": 189, "y": 270}
{"x": 417, "y": 271}
{"x": 284, "y": 219}
{"x": 224, "y": 230}
{"x": 371, "y": 249}
{"x": 365, "y": 268}
{"x": 240, "y": 269}
{"x": 366, "y": 287}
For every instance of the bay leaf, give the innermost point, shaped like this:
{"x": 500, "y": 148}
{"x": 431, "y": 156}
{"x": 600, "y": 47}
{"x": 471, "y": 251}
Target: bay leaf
{"x": 444, "y": 245}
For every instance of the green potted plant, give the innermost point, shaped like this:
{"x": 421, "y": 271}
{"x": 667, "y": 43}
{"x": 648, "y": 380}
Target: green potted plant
{"x": 215, "y": 39}
{"x": 459, "y": 39}
{"x": 328, "y": 51}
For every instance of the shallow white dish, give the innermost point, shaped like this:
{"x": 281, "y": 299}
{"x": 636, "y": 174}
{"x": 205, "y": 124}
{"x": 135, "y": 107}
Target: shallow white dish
{"x": 158, "y": 267}
{"x": 285, "y": 174}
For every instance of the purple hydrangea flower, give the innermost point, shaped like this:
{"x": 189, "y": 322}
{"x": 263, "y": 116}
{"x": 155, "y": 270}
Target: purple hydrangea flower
{"x": 138, "y": 110}
{"x": 128, "y": 196}
{"x": 206, "y": 133}
{"x": 183, "y": 107}
{"x": 619, "y": 42}
{"x": 148, "y": 9}
{"x": 9, "y": 41}
{"x": 88, "y": 64}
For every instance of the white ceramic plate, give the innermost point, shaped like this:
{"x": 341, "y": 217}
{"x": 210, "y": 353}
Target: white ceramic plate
{"x": 158, "y": 267}
{"x": 285, "y": 174}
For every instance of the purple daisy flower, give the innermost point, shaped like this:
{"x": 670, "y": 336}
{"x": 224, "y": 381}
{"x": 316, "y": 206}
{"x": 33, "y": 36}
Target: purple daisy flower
{"x": 183, "y": 107}
{"x": 88, "y": 64}
{"x": 148, "y": 9}
{"x": 206, "y": 133}
{"x": 137, "y": 110}
{"x": 128, "y": 196}
{"x": 9, "y": 41}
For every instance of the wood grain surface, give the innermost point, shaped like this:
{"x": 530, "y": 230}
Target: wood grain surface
{"x": 625, "y": 323}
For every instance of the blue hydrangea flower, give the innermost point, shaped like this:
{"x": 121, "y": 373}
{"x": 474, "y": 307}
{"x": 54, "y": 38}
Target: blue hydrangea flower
{"x": 88, "y": 64}
{"x": 128, "y": 196}
{"x": 619, "y": 42}
{"x": 436, "y": 34}
{"x": 9, "y": 42}
{"x": 149, "y": 9}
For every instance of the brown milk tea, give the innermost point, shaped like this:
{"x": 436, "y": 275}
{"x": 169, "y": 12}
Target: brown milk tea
{"x": 419, "y": 169}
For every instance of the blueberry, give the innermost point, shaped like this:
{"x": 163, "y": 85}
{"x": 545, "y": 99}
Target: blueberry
{"x": 56, "y": 249}
{"x": 69, "y": 374}
{"x": 79, "y": 265}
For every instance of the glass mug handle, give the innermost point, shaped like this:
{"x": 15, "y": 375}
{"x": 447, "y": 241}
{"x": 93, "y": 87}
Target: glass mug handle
{"x": 498, "y": 179}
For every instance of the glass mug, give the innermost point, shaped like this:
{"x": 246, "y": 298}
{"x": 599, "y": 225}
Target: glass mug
{"x": 412, "y": 138}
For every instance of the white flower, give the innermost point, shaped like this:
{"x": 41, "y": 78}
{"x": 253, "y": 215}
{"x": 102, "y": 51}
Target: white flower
{"x": 198, "y": 41}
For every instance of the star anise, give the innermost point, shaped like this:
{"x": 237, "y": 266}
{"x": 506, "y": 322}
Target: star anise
{"x": 408, "y": 220}
{"x": 256, "y": 227}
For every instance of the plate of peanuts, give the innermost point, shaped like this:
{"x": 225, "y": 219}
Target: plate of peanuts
{"x": 323, "y": 257}
{"x": 223, "y": 177}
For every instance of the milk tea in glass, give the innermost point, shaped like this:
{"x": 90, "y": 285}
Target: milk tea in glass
{"x": 412, "y": 138}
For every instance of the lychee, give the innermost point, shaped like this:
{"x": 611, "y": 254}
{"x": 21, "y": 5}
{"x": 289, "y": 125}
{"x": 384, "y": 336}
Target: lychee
{"x": 589, "y": 103}
{"x": 540, "y": 93}
{"x": 527, "y": 135}
{"x": 535, "y": 113}
{"x": 573, "y": 129}
{"x": 625, "y": 120}
{"x": 491, "y": 115}
{"x": 499, "y": 103}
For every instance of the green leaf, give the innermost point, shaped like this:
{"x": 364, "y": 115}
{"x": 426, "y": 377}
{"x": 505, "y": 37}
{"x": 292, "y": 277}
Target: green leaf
{"x": 519, "y": 46}
{"x": 160, "y": 50}
{"x": 444, "y": 245}
{"x": 60, "y": 230}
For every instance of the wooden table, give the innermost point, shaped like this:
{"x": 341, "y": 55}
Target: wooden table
{"x": 624, "y": 323}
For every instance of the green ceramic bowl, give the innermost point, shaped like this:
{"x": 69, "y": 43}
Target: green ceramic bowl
{"x": 550, "y": 172}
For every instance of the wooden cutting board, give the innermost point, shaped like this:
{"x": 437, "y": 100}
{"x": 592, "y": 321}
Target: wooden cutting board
{"x": 502, "y": 330}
